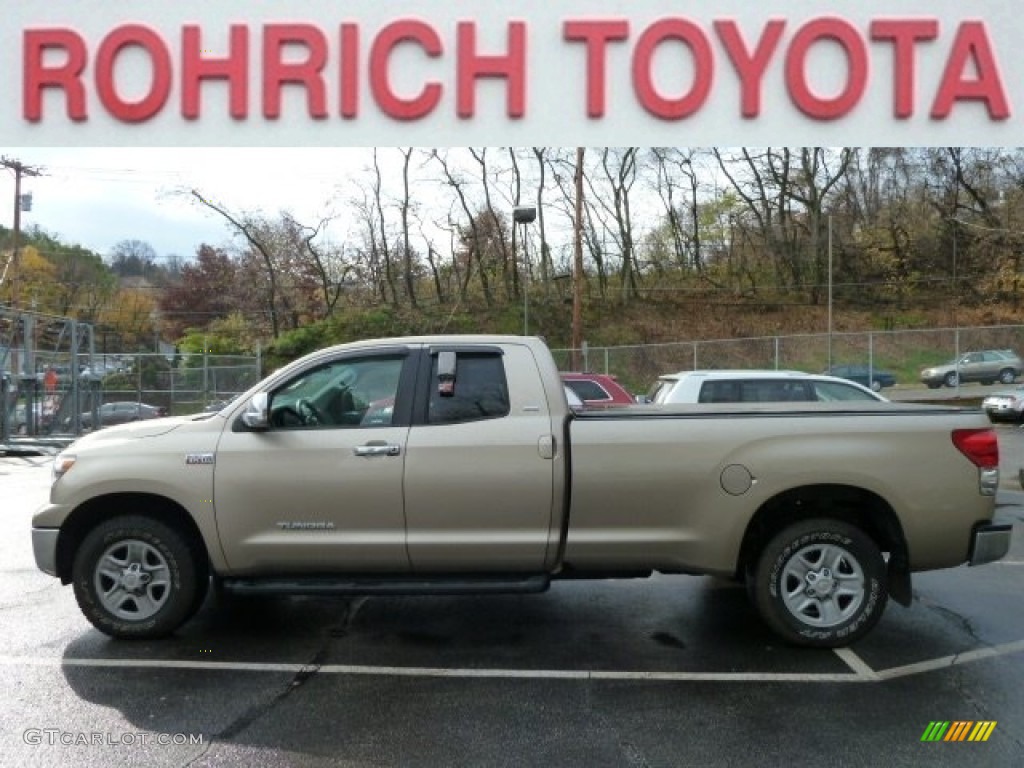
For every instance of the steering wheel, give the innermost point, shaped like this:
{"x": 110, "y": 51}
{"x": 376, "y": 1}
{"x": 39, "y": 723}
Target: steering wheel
{"x": 286, "y": 416}
{"x": 308, "y": 412}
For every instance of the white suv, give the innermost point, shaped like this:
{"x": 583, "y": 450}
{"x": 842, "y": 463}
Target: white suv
{"x": 754, "y": 386}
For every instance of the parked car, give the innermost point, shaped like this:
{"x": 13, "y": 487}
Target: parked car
{"x": 755, "y": 386}
{"x": 986, "y": 366}
{"x": 121, "y": 413}
{"x": 1007, "y": 405}
{"x": 598, "y": 389}
{"x": 874, "y": 379}
{"x": 43, "y": 418}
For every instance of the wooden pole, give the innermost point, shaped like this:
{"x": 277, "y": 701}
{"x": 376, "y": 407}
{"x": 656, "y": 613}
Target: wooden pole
{"x": 577, "y": 272}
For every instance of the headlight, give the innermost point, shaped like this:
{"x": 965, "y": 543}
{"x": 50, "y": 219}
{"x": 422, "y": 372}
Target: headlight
{"x": 62, "y": 462}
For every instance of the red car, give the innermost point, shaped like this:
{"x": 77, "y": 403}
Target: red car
{"x": 598, "y": 390}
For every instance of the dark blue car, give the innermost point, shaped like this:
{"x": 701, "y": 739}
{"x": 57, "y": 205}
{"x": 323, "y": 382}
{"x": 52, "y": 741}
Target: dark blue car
{"x": 874, "y": 378}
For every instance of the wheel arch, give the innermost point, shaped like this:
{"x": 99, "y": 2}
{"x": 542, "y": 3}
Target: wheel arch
{"x": 99, "y": 509}
{"x": 857, "y": 506}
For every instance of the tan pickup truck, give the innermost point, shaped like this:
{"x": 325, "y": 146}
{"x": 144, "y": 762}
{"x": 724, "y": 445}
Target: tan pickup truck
{"x": 453, "y": 464}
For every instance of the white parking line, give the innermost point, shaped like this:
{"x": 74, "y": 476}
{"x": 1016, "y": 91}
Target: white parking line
{"x": 522, "y": 674}
{"x": 857, "y": 664}
{"x": 951, "y": 661}
{"x": 861, "y": 672}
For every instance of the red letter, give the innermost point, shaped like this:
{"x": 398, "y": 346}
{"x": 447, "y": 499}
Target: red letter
{"x": 471, "y": 66}
{"x": 904, "y": 34}
{"x": 348, "y": 76}
{"x": 392, "y": 35}
{"x": 159, "y": 89}
{"x": 971, "y": 43}
{"x": 596, "y": 35}
{"x": 276, "y": 38}
{"x": 838, "y": 31}
{"x": 195, "y": 67}
{"x": 67, "y": 76}
{"x": 749, "y": 67}
{"x": 690, "y": 34}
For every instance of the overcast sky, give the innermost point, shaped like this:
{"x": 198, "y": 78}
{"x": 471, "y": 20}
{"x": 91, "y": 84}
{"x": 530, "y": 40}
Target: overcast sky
{"x": 97, "y": 197}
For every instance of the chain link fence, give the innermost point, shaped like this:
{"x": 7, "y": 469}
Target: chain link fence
{"x": 183, "y": 383}
{"x": 65, "y": 398}
{"x": 903, "y": 353}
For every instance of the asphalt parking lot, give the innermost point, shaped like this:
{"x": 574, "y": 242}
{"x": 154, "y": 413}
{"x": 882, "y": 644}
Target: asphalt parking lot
{"x": 668, "y": 671}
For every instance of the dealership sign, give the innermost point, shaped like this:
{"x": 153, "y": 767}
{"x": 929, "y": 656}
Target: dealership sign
{"x": 95, "y": 72}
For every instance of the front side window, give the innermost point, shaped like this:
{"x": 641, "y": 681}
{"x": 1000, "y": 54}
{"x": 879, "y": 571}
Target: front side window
{"x": 342, "y": 394}
{"x": 828, "y": 391}
{"x": 479, "y": 391}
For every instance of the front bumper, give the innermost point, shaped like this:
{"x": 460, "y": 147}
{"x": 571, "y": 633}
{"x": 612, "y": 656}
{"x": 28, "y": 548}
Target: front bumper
{"x": 44, "y": 547}
{"x": 1001, "y": 410}
{"x": 989, "y": 543}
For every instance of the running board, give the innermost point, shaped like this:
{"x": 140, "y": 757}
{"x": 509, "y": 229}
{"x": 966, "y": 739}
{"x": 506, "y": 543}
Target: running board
{"x": 454, "y": 585}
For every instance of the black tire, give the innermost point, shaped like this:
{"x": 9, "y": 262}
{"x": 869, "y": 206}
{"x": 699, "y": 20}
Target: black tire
{"x": 1007, "y": 376}
{"x": 813, "y": 555}
{"x": 876, "y": 385}
{"x": 951, "y": 379}
{"x": 137, "y": 578}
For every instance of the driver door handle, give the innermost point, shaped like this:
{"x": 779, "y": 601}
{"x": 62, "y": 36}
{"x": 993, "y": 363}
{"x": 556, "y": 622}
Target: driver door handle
{"x": 377, "y": 449}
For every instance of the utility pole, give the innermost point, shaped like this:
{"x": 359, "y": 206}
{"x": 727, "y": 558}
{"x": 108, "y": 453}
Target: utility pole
{"x": 577, "y": 272}
{"x": 19, "y": 169}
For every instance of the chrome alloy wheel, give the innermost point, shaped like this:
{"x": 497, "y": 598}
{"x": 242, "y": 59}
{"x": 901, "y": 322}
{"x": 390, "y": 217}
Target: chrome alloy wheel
{"x": 132, "y": 580}
{"x": 823, "y": 585}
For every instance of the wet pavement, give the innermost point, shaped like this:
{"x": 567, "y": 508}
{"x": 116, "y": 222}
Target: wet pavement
{"x": 666, "y": 671}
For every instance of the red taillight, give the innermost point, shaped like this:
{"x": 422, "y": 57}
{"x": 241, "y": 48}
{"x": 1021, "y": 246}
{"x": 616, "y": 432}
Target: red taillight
{"x": 978, "y": 445}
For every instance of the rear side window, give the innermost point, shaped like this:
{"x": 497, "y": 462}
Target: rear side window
{"x": 754, "y": 391}
{"x": 587, "y": 390}
{"x": 480, "y": 391}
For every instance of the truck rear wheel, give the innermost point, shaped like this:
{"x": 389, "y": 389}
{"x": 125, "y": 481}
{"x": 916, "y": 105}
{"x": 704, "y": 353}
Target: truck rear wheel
{"x": 135, "y": 577}
{"x": 820, "y": 583}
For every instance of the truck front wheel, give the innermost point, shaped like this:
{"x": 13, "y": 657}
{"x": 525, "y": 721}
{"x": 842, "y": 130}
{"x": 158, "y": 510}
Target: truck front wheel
{"x": 820, "y": 583}
{"x": 135, "y": 577}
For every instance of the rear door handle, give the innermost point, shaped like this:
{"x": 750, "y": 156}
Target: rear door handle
{"x": 377, "y": 449}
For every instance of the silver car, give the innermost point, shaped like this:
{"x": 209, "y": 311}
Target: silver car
{"x": 987, "y": 366}
{"x": 1007, "y": 405}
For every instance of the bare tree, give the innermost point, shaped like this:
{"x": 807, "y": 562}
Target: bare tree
{"x": 250, "y": 230}
{"x": 382, "y": 234}
{"x": 503, "y": 250}
{"x": 473, "y": 251}
{"x": 407, "y": 255}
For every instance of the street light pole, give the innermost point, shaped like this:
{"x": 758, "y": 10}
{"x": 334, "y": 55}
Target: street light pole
{"x": 523, "y": 215}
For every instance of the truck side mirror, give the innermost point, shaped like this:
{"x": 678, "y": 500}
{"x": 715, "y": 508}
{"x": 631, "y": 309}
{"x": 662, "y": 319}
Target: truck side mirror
{"x": 255, "y": 415}
{"x": 446, "y": 366}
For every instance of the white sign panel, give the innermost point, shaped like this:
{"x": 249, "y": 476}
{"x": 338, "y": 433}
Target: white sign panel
{"x": 647, "y": 72}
